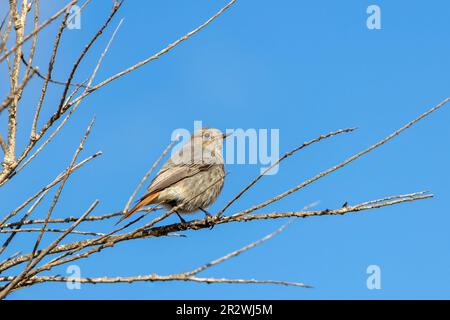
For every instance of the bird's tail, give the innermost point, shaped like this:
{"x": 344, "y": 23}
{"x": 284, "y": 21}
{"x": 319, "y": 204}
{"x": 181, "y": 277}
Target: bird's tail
{"x": 144, "y": 201}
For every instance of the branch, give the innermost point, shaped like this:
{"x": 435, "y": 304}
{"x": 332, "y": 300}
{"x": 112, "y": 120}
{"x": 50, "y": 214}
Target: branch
{"x": 5, "y": 291}
{"x": 155, "y": 56}
{"x": 19, "y": 21}
{"x": 40, "y": 75}
{"x": 85, "y": 233}
{"x": 344, "y": 163}
{"x": 185, "y": 276}
{"x": 34, "y": 42}
{"x": 115, "y": 9}
{"x": 51, "y": 64}
{"x": 14, "y": 93}
{"x": 286, "y": 155}
{"x": 20, "y": 223}
{"x": 344, "y": 210}
{"x": 61, "y": 220}
{"x": 5, "y": 36}
{"x": 236, "y": 252}
{"x": 152, "y": 278}
{"x": 42, "y": 26}
{"x": 5, "y": 175}
{"x": 165, "y": 230}
{"x": 61, "y": 186}
{"x": 2, "y": 144}
{"x": 47, "y": 187}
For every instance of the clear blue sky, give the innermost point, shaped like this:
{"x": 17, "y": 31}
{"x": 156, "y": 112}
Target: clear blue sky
{"x": 303, "y": 67}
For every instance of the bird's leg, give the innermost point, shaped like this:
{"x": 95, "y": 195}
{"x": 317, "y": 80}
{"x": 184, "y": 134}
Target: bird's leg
{"x": 209, "y": 220}
{"x": 181, "y": 218}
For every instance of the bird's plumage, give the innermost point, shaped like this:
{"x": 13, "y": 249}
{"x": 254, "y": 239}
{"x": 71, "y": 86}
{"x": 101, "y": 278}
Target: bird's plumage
{"x": 192, "y": 178}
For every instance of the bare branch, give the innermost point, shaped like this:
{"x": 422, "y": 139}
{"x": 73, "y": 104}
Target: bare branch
{"x": 2, "y": 144}
{"x": 19, "y": 21}
{"x": 20, "y": 223}
{"x": 186, "y": 276}
{"x": 154, "y": 278}
{"x": 236, "y": 252}
{"x": 286, "y": 155}
{"x": 344, "y": 163}
{"x": 155, "y": 56}
{"x": 49, "y": 186}
{"x": 61, "y": 186}
{"x": 61, "y": 220}
{"x": 5, "y": 36}
{"x": 51, "y": 65}
{"x": 5, "y": 175}
{"x": 303, "y": 214}
{"x": 42, "y": 26}
{"x": 40, "y": 75}
{"x": 84, "y": 233}
{"x": 164, "y": 230}
{"x": 5, "y": 291}
{"x": 14, "y": 93}
{"x": 34, "y": 42}
{"x": 115, "y": 8}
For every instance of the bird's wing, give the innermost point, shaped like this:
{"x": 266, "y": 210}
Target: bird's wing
{"x": 171, "y": 174}
{"x": 187, "y": 162}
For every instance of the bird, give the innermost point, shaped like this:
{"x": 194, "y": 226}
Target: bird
{"x": 191, "y": 179}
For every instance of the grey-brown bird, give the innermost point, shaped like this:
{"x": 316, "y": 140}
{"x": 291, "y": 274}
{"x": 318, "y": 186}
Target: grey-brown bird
{"x": 192, "y": 178}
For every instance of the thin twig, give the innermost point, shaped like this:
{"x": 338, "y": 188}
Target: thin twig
{"x": 5, "y": 175}
{"x": 34, "y": 42}
{"x": 20, "y": 223}
{"x": 114, "y": 10}
{"x": 43, "y": 253}
{"x": 85, "y": 233}
{"x": 4, "y": 38}
{"x": 61, "y": 186}
{"x": 236, "y": 252}
{"x": 155, "y": 56}
{"x": 344, "y": 163}
{"x": 153, "y": 278}
{"x": 42, "y": 26}
{"x": 51, "y": 65}
{"x": 49, "y": 186}
{"x": 10, "y": 98}
{"x": 61, "y": 220}
{"x": 40, "y": 75}
{"x": 2, "y": 143}
{"x": 286, "y": 155}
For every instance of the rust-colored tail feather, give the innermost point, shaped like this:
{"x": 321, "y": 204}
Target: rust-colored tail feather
{"x": 144, "y": 201}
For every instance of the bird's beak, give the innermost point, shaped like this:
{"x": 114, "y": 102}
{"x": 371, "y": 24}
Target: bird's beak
{"x": 225, "y": 135}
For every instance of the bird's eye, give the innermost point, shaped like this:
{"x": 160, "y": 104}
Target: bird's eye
{"x": 207, "y": 135}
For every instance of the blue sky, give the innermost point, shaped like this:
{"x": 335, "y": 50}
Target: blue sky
{"x": 303, "y": 67}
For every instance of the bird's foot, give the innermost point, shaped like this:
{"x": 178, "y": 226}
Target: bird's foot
{"x": 183, "y": 222}
{"x": 209, "y": 221}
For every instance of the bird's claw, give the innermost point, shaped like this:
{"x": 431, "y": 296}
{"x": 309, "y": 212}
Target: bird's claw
{"x": 183, "y": 222}
{"x": 209, "y": 221}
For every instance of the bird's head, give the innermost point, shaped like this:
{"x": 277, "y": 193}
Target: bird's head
{"x": 209, "y": 137}
{"x": 211, "y": 142}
